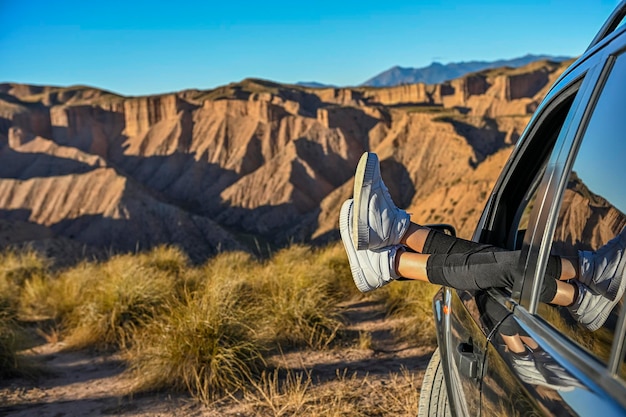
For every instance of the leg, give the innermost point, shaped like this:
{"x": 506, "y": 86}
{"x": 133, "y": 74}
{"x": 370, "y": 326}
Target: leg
{"x": 384, "y": 229}
{"x": 477, "y": 270}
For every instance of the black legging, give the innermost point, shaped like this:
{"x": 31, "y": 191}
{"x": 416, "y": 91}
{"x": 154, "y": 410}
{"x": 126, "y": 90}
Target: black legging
{"x": 467, "y": 265}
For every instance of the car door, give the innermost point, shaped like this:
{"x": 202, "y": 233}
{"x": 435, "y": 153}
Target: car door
{"x": 576, "y": 372}
{"x": 474, "y": 346}
{"x": 509, "y": 386}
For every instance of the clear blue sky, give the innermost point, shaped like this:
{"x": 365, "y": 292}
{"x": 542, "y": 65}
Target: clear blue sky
{"x": 147, "y": 47}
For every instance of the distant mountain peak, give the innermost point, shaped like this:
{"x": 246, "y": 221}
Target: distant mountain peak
{"x": 437, "y": 72}
{"x": 314, "y": 84}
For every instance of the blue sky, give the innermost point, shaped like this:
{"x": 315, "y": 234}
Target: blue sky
{"x": 148, "y": 47}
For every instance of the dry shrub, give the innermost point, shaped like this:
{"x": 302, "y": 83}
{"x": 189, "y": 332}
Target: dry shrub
{"x": 58, "y": 297}
{"x": 114, "y": 299}
{"x": 204, "y": 345}
{"x": 412, "y": 301}
{"x": 299, "y": 299}
{"x": 169, "y": 259}
{"x": 8, "y": 357}
{"x": 17, "y": 267}
{"x": 335, "y": 262}
{"x": 212, "y": 341}
{"x": 10, "y": 363}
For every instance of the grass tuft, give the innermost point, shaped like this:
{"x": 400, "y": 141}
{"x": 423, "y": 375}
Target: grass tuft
{"x": 413, "y": 302}
{"x": 17, "y": 267}
{"x": 115, "y": 299}
{"x": 299, "y": 299}
{"x": 203, "y": 345}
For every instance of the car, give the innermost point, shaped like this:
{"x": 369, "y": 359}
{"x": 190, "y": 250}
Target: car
{"x": 561, "y": 191}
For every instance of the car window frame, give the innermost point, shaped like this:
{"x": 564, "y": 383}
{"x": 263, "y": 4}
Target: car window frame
{"x": 538, "y": 238}
{"x": 544, "y": 221}
{"x": 488, "y": 226}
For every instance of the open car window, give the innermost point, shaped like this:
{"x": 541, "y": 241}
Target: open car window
{"x": 591, "y": 213}
{"x": 515, "y": 201}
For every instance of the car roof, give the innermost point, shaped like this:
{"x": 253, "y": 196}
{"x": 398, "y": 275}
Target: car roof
{"x": 610, "y": 25}
{"x": 602, "y": 38}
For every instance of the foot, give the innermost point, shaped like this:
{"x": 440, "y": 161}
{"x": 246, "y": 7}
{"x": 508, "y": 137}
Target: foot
{"x": 371, "y": 269}
{"x": 377, "y": 222}
{"x": 603, "y": 270}
{"x": 554, "y": 373}
{"x": 590, "y": 308}
{"x": 526, "y": 368}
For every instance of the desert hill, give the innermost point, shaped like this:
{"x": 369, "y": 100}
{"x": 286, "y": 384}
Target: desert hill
{"x": 251, "y": 161}
{"x": 437, "y": 72}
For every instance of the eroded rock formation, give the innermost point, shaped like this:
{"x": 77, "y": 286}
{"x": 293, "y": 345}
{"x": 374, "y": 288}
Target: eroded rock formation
{"x": 200, "y": 168}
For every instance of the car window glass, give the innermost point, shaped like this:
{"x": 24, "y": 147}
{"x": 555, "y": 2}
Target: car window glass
{"x": 517, "y": 200}
{"x": 591, "y": 215}
{"x": 513, "y": 209}
{"x": 525, "y": 209}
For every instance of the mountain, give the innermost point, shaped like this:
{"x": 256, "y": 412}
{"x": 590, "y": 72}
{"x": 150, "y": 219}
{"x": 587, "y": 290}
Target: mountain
{"x": 248, "y": 165}
{"x": 437, "y": 73}
{"x": 313, "y": 84}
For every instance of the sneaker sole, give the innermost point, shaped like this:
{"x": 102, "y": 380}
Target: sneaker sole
{"x": 344, "y": 229}
{"x": 362, "y": 192}
{"x": 596, "y": 323}
{"x": 616, "y": 289}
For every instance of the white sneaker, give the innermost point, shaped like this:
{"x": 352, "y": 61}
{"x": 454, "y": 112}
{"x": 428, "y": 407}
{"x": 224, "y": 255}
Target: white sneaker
{"x": 590, "y": 308}
{"x": 603, "y": 270}
{"x": 371, "y": 269}
{"x": 377, "y": 222}
{"x": 528, "y": 371}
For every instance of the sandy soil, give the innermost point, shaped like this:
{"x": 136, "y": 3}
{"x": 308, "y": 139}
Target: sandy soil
{"x": 88, "y": 384}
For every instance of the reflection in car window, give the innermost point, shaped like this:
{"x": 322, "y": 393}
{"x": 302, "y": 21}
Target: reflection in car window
{"x": 524, "y": 210}
{"x": 594, "y": 203}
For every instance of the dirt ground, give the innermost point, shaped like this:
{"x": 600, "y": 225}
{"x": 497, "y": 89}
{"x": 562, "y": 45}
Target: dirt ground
{"x": 88, "y": 384}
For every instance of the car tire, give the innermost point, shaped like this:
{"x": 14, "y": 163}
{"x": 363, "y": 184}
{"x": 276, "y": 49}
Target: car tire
{"x": 434, "y": 395}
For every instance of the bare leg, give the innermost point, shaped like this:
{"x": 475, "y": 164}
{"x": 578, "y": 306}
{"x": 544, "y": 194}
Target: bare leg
{"x": 412, "y": 265}
{"x": 565, "y": 294}
{"x": 415, "y": 237}
{"x": 514, "y": 343}
{"x": 569, "y": 268}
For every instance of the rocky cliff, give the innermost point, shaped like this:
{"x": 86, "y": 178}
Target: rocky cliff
{"x": 202, "y": 169}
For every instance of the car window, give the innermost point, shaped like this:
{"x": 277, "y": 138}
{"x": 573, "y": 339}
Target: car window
{"x": 592, "y": 211}
{"x": 515, "y": 208}
{"x": 514, "y": 202}
{"x": 525, "y": 209}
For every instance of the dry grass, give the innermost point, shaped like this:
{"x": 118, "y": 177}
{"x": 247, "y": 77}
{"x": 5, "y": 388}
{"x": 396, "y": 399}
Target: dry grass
{"x": 203, "y": 346}
{"x": 299, "y": 298}
{"x": 207, "y": 330}
{"x": 412, "y": 301}
{"x": 213, "y": 341}
{"x": 17, "y": 267}
{"x": 116, "y": 298}
{"x": 15, "y": 270}
{"x": 296, "y": 394}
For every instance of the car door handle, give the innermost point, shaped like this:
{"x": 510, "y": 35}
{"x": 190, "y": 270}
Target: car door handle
{"x": 467, "y": 360}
